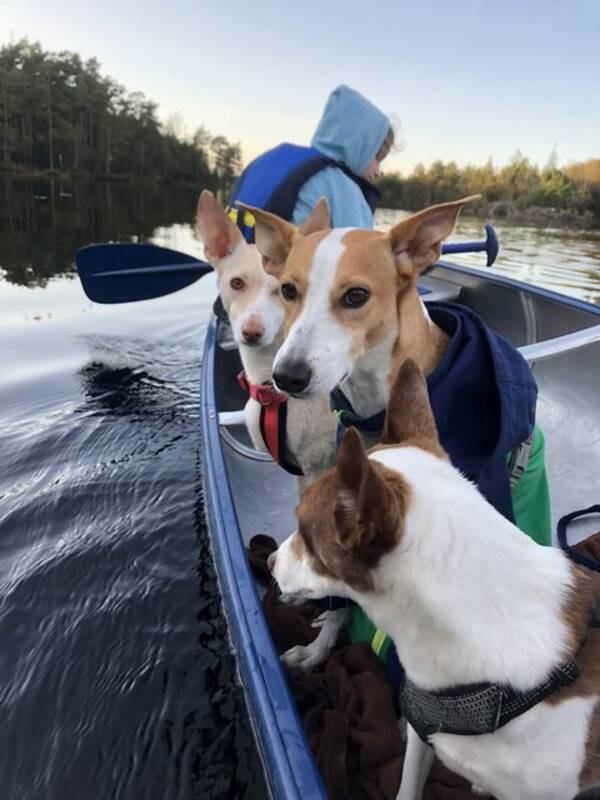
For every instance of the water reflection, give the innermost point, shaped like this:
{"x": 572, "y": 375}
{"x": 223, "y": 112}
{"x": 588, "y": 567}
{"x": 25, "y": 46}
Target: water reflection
{"x": 43, "y": 223}
{"x": 116, "y": 675}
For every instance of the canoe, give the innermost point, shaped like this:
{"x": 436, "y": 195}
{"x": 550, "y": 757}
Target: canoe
{"x": 246, "y": 493}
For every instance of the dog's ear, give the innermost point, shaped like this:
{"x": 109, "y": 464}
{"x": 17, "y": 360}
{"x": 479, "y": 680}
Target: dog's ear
{"x": 366, "y": 511}
{"x": 274, "y": 237}
{"x": 409, "y": 415}
{"x": 319, "y": 219}
{"x": 416, "y": 242}
{"x": 218, "y": 233}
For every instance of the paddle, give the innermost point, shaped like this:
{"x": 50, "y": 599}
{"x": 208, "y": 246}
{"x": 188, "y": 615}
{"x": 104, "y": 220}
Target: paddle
{"x": 124, "y": 273}
{"x": 490, "y": 246}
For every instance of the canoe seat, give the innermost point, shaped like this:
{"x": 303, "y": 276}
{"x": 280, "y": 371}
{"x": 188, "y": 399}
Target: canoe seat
{"x": 433, "y": 290}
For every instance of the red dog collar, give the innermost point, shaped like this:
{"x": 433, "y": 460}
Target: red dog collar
{"x": 264, "y": 393}
{"x": 273, "y": 420}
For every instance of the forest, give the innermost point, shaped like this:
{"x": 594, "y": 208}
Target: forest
{"x": 61, "y": 115}
{"x": 570, "y": 194}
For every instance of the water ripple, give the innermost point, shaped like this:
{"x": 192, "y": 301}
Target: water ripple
{"x": 116, "y": 679}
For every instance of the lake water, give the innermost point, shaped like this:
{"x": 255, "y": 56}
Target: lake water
{"x": 116, "y": 679}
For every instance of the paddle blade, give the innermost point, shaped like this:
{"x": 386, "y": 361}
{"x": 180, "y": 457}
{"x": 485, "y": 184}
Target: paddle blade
{"x": 124, "y": 273}
{"x": 491, "y": 244}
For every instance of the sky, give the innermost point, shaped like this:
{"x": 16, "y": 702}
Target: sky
{"x": 468, "y": 80}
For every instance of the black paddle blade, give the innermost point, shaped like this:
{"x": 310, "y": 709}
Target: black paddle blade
{"x": 124, "y": 273}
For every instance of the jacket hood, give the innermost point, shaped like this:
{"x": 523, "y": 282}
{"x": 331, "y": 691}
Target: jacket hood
{"x": 483, "y": 397}
{"x": 351, "y": 129}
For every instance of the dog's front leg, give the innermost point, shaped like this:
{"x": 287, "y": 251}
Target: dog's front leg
{"x": 306, "y": 657}
{"x": 252, "y": 420}
{"x": 418, "y": 759}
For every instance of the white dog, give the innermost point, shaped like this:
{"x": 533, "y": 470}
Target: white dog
{"x": 252, "y": 299}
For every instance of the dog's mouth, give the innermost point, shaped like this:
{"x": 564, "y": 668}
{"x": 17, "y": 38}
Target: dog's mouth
{"x": 303, "y": 395}
{"x": 292, "y": 598}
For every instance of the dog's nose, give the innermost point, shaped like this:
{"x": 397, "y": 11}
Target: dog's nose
{"x": 293, "y": 377}
{"x": 253, "y": 332}
{"x": 271, "y": 560}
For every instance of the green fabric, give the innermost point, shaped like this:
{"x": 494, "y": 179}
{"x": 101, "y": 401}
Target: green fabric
{"x": 531, "y": 507}
{"x": 531, "y": 497}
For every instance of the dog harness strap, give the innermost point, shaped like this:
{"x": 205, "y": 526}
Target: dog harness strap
{"x": 347, "y": 417}
{"x": 273, "y": 420}
{"x": 475, "y": 709}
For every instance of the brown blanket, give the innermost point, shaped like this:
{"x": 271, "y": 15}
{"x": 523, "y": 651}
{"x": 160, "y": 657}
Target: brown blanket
{"x": 348, "y": 707}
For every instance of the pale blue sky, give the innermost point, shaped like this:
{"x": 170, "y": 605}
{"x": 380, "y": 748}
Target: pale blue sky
{"x": 468, "y": 79}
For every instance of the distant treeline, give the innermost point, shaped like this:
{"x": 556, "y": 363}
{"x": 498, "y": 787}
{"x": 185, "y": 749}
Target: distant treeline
{"x": 59, "y": 114}
{"x": 517, "y": 188}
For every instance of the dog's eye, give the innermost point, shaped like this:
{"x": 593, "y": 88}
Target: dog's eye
{"x": 289, "y": 291}
{"x": 237, "y": 283}
{"x": 356, "y": 297}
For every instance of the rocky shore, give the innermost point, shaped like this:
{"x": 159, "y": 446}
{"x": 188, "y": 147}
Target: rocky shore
{"x": 544, "y": 216}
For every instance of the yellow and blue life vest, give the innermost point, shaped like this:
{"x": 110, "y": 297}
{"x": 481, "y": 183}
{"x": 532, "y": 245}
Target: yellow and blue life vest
{"x": 273, "y": 182}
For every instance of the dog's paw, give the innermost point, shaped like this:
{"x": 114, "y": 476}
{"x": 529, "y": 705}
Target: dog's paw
{"x": 479, "y": 790}
{"x": 319, "y": 621}
{"x": 303, "y": 657}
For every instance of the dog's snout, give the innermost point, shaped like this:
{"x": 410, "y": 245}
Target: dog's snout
{"x": 271, "y": 560}
{"x": 253, "y": 331}
{"x": 293, "y": 376}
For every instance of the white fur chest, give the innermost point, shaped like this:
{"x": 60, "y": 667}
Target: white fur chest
{"x": 537, "y": 756}
{"x": 252, "y": 411}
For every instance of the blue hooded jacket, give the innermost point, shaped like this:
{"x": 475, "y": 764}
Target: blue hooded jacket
{"x": 289, "y": 179}
{"x": 351, "y": 130}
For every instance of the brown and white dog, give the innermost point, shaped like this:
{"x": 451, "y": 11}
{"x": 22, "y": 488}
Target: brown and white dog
{"x": 252, "y": 299}
{"x": 466, "y": 598}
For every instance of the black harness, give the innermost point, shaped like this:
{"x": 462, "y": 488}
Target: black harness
{"x": 476, "y": 708}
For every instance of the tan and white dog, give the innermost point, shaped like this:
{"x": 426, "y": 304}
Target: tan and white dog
{"x": 353, "y": 313}
{"x": 466, "y": 598}
{"x": 252, "y": 299}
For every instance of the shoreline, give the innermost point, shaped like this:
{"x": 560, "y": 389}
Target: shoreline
{"x": 498, "y": 211}
{"x": 537, "y": 216}
{"x": 21, "y": 173}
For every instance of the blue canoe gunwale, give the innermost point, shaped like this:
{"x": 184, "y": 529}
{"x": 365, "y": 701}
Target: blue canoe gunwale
{"x": 289, "y": 769}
